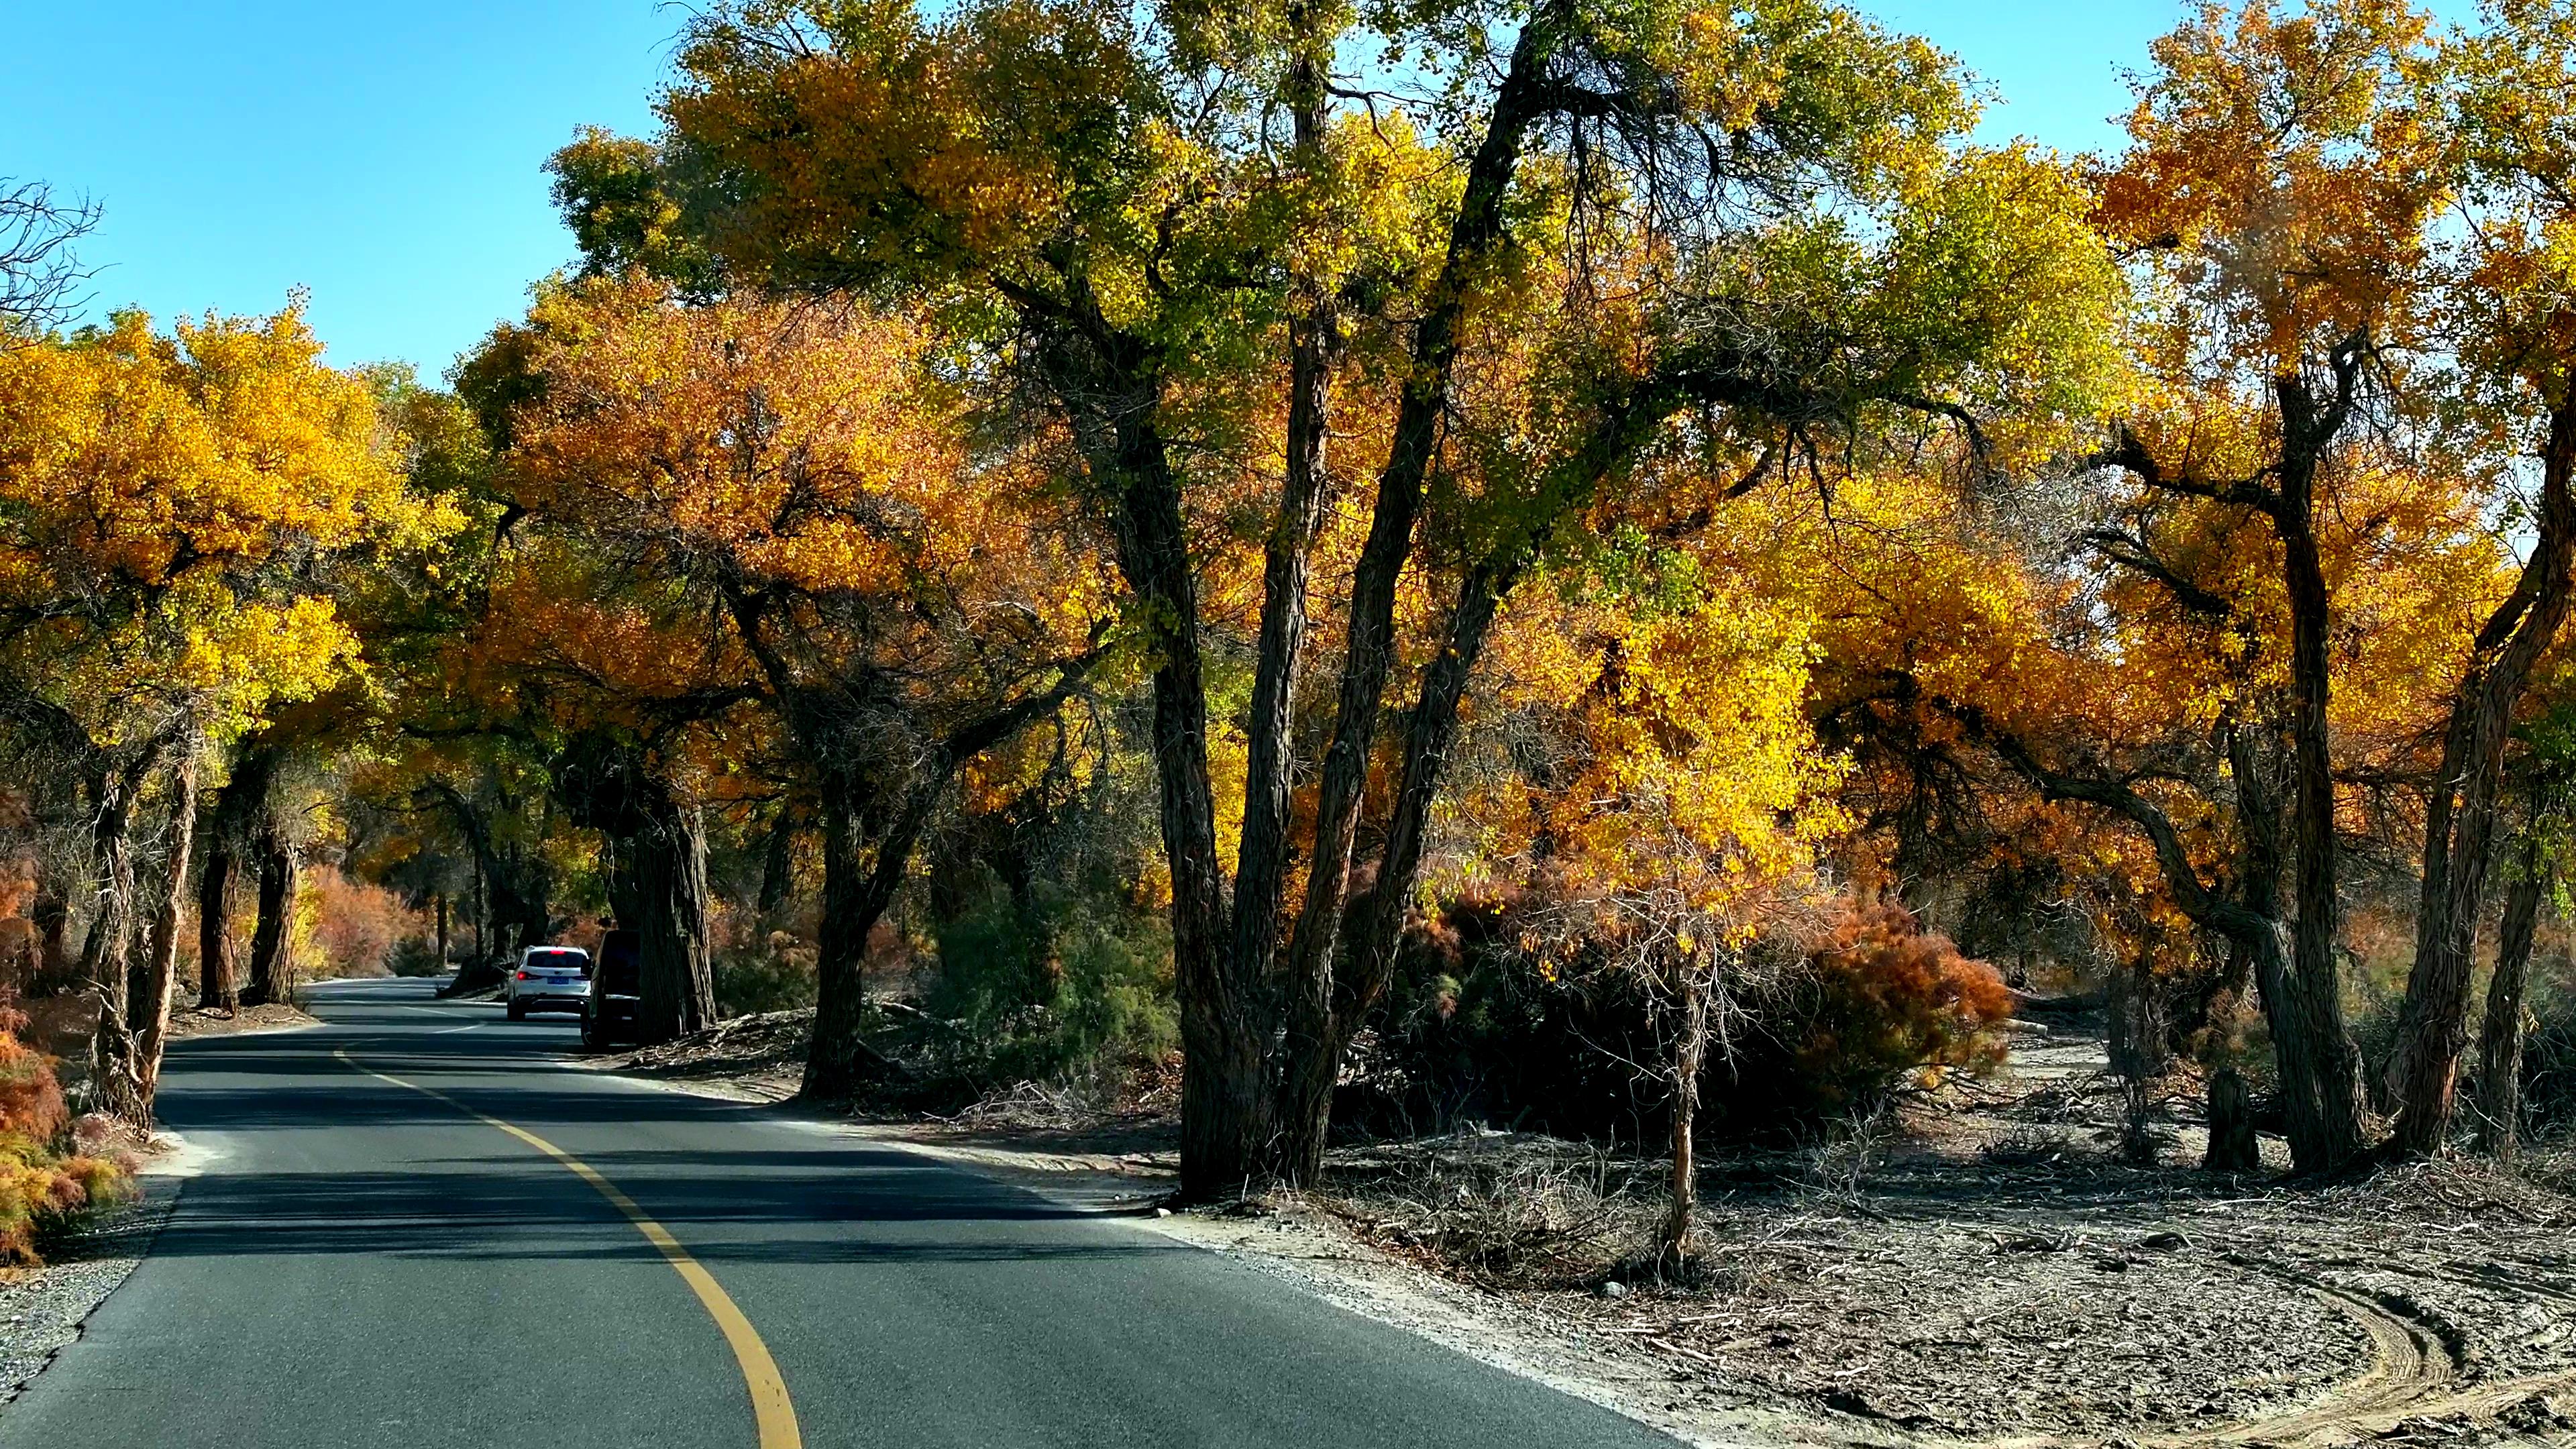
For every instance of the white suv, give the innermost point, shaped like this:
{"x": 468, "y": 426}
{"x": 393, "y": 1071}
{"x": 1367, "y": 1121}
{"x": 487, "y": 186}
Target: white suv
{"x": 549, "y": 978}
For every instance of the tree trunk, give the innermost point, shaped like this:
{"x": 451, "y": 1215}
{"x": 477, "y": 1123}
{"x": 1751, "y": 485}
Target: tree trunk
{"x": 675, "y": 976}
{"x": 778, "y": 867}
{"x": 1311, "y": 1048}
{"x": 2137, "y": 1055}
{"x": 107, "y": 948}
{"x": 2499, "y": 1101}
{"x": 272, "y": 940}
{"x": 1307, "y": 1077}
{"x": 2333, "y": 1135}
{"x": 1677, "y": 1242}
{"x": 50, "y": 914}
{"x": 441, "y": 900}
{"x": 841, "y": 1062}
{"x": 2233, "y": 1146}
{"x": 1223, "y": 1037}
{"x": 239, "y": 808}
{"x": 148, "y": 996}
{"x": 2423, "y": 1072}
{"x": 215, "y": 988}
{"x": 111, "y": 913}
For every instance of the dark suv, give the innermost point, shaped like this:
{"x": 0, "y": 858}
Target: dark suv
{"x": 608, "y": 1013}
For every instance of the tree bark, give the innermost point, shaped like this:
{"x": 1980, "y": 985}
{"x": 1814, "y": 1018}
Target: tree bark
{"x": 1311, "y": 1055}
{"x": 1307, "y": 1076}
{"x": 111, "y": 916}
{"x": 109, "y": 946}
{"x": 675, "y": 975}
{"x": 216, "y": 990}
{"x": 2499, "y": 1099}
{"x": 2232, "y": 1143}
{"x": 2460, "y": 818}
{"x": 1677, "y": 1242}
{"x": 238, "y": 809}
{"x": 778, "y": 866}
{"x": 855, "y": 898}
{"x": 1223, "y": 1036}
{"x": 149, "y": 994}
{"x": 50, "y": 914}
{"x": 272, "y": 940}
{"x": 2334, "y": 1135}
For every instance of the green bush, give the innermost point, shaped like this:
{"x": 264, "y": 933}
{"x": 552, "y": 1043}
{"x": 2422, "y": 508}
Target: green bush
{"x": 1042, "y": 1000}
{"x": 415, "y": 956}
{"x": 776, "y": 974}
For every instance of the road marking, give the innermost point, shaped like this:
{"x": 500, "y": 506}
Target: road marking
{"x": 771, "y": 1409}
{"x": 446, "y": 1031}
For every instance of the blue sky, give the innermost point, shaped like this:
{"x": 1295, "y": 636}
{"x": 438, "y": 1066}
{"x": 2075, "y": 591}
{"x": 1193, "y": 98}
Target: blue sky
{"x": 385, "y": 155}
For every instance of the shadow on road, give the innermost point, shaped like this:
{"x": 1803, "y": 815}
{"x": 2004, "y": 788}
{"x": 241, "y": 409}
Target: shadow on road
{"x": 717, "y": 1174}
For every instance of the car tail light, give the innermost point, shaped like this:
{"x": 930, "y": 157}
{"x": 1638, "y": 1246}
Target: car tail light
{"x": 524, "y": 976}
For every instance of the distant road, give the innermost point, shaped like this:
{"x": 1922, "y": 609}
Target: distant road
{"x": 421, "y": 1230}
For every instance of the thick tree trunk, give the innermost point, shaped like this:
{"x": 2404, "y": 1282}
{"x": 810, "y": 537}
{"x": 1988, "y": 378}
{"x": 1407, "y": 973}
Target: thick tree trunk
{"x": 111, "y": 912}
{"x": 855, "y": 897}
{"x": 239, "y": 807}
{"x": 148, "y": 996}
{"x": 107, "y": 949}
{"x": 215, "y": 986}
{"x": 2332, "y": 1136}
{"x": 441, "y": 901}
{"x": 675, "y": 974}
{"x": 272, "y": 940}
{"x": 2423, "y": 1072}
{"x": 1223, "y": 1034}
{"x": 2233, "y": 1146}
{"x": 2499, "y": 1100}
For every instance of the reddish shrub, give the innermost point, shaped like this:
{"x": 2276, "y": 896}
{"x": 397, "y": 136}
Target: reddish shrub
{"x": 357, "y": 924}
{"x": 44, "y": 1177}
{"x": 1889, "y": 999}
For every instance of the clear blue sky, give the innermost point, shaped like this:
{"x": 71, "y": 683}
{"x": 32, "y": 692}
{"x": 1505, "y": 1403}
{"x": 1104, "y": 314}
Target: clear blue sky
{"x": 385, "y": 155}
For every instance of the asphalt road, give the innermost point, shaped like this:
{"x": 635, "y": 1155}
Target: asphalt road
{"x": 368, "y": 1263}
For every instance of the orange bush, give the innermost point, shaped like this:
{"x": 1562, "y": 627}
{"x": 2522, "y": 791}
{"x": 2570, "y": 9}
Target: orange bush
{"x": 1889, "y": 999}
{"x": 357, "y": 924}
{"x": 44, "y": 1178}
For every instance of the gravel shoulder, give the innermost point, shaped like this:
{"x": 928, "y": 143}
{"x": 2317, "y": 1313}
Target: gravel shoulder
{"x": 42, "y": 1308}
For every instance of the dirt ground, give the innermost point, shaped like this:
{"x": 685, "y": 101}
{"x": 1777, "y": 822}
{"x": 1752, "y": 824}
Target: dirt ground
{"x": 1974, "y": 1268}
{"x": 190, "y": 1021}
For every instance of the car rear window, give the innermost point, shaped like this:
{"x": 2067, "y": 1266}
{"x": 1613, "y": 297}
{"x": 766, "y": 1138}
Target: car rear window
{"x": 559, "y": 959}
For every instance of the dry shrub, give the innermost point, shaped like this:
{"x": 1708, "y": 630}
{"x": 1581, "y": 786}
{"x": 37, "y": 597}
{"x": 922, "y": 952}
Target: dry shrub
{"x": 45, "y": 1179}
{"x": 1503, "y": 1209}
{"x": 1888, "y": 1000}
{"x": 357, "y": 924}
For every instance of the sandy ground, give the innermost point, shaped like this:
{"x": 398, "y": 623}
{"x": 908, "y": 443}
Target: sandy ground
{"x": 186, "y": 1022}
{"x": 1972, "y": 1269}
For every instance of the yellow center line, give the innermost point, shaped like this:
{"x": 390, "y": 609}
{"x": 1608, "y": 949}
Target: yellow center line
{"x": 770, "y": 1406}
